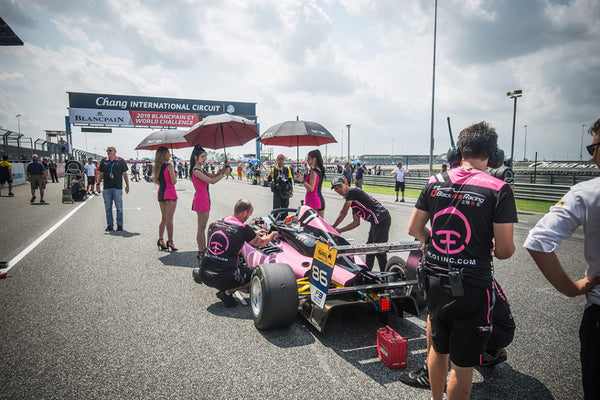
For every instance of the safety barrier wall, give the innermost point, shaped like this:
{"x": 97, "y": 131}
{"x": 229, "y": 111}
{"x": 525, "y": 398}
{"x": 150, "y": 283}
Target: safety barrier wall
{"x": 522, "y": 191}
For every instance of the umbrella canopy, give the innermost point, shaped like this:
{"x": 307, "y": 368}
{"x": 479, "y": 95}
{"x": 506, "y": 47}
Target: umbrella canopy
{"x": 170, "y": 138}
{"x": 354, "y": 162}
{"x": 250, "y": 160}
{"x": 221, "y": 131}
{"x": 297, "y": 133}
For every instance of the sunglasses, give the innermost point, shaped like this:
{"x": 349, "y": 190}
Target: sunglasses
{"x": 109, "y": 151}
{"x": 591, "y": 147}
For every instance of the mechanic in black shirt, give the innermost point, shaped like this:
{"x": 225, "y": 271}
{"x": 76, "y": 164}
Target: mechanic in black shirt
{"x": 78, "y": 191}
{"x": 471, "y": 215}
{"x": 367, "y": 208}
{"x": 220, "y": 266}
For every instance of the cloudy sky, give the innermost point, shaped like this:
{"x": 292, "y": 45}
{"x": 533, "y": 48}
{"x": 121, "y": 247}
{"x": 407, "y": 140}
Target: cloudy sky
{"x": 337, "y": 62}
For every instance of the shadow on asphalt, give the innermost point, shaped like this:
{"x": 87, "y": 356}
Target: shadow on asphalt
{"x": 344, "y": 334}
{"x": 294, "y": 336}
{"x": 505, "y": 382}
{"x": 218, "y": 309}
{"x": 124, "y": 233}
{"x": 184, "y": 259}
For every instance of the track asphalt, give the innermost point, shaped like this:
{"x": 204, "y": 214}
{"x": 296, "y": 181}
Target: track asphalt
{"x": 86, "y": 314}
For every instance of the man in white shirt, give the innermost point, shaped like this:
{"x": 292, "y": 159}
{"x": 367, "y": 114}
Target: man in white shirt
{"x": 90, "y": 171}
{"x": 399, "y": 173}
{"x": 580, "y": 206}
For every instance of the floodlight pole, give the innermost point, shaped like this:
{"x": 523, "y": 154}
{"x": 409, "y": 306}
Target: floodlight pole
{"x": 433, "y": 91}
{"x": 525, "y": 146}
{"x": 348, "y": 126}
{"x": 342, "y": 145}
{"x": 19, "y": 122}
{"x": 581, "y": 147}
{"x": 514, "y": 95}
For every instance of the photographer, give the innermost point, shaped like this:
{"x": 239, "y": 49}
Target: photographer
{"x": 471, "y": 215}
{"x": 282, "y": 186}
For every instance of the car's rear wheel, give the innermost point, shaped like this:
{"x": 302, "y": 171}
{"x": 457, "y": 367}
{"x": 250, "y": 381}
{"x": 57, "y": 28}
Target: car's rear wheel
{"x": 398, "y": 266}
{"x": 273, "y": 296}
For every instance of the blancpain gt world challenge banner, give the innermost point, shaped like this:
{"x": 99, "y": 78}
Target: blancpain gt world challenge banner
{"x": 148, "y": 112}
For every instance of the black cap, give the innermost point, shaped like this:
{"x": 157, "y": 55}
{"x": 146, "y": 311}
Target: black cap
{"x": 337, "y": 181}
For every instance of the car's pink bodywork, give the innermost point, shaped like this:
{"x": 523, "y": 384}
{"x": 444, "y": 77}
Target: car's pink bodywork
{"x": 299, "y": 263}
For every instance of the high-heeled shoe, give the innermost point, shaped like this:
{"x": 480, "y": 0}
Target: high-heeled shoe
{"x": 160, "y": 245}
{"x": 171, "y": 246}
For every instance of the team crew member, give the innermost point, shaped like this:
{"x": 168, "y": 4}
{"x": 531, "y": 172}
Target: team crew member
{"x": 220, "y": 266}
{"x": 6, "y": 175}
{"x": 469, "y": 212}
{"x": 90, "y": 171}
{"x": 580, "y": 206}
{"x": 367, "y": 208}
{"x": 281, "y": 185}
{"x": 399, "y": 173}
{"x": 503, "y": 333}
{"x": 78, "y": 191}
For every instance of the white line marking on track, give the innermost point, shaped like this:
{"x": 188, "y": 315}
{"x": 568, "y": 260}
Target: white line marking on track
{"x": 39, "y": 240}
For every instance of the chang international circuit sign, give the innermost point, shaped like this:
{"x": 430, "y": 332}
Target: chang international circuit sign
{"x": 93, "y": 109}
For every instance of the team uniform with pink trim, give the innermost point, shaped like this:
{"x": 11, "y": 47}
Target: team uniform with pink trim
{"x": 463, "y": 205}
{"x": 220, "y": 265}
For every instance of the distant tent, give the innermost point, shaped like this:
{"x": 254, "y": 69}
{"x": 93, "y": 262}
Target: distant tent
{"x": 7, "y": 36}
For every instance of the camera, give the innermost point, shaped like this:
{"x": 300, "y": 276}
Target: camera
{"x": 503, "y": 172}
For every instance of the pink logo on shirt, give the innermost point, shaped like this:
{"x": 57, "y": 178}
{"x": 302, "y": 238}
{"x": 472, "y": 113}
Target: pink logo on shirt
{"x": 218, "y": 243}
{"x": 451, "y": 241}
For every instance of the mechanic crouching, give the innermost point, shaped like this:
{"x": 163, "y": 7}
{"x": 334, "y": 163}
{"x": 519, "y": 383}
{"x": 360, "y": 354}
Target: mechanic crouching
{"x": 471, "y": 215}
{"x": 220, "y": 267}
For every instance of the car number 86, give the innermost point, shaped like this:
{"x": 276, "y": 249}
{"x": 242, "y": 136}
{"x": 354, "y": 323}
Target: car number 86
{"x": 319, "y": 275}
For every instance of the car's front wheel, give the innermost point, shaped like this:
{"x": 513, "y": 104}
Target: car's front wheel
{"x": 273, "y": 296}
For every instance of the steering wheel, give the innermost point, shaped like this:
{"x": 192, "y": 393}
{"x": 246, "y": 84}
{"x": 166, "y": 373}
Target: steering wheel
{"x": 288, "y": 221}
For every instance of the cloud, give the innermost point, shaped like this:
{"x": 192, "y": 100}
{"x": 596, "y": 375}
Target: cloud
{"x": 335, "y": 62}
{"x": 487, "y": 32}
{"x": 15, "y": 16}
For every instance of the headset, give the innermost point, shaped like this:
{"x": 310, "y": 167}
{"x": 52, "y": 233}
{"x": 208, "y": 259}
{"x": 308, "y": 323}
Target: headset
{"x": 495, "y": 162}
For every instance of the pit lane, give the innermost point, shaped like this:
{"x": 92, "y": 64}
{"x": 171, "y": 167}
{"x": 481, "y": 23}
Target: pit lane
{"x": 87, "y": 314}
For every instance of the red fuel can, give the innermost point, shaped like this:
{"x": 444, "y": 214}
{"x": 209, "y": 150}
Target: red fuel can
{"x": 391, "y": 348}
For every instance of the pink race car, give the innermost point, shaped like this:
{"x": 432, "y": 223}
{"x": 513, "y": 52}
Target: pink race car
{"x": 279, "y": 287}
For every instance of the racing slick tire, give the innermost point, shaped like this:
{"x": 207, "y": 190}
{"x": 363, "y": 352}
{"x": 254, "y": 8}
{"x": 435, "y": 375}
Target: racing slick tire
{"x": 273, "y": 296}
{"x": 397, "y": 264}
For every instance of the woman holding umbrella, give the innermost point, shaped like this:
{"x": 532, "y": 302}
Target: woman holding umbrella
{"x": 165, "y": 178}
{"x": 201, "y": 180}
{"x": 313, "y": 182}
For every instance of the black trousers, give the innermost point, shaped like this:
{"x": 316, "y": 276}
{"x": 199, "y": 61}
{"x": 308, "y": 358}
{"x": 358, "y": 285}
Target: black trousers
{"x": 53, "y": 175}
{"x": 379, "y": 233}
{"x": 589, "y": 337}
{"x": 78, "y": 195}
{"x": 280, "y": 202}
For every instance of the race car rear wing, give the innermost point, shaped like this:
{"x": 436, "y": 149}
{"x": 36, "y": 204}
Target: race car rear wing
{"x": 376, "y": 248}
